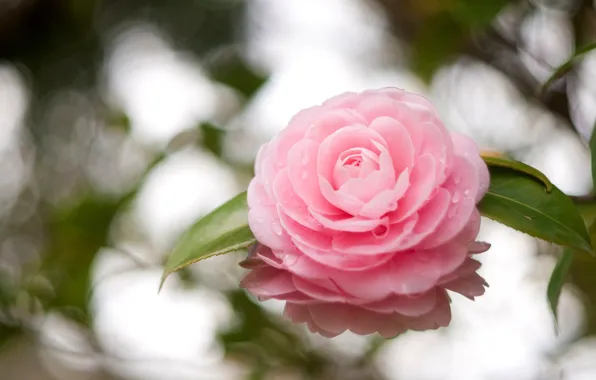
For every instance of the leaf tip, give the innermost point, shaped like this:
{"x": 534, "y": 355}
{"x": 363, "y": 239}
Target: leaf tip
{"x": 162, "y": 281}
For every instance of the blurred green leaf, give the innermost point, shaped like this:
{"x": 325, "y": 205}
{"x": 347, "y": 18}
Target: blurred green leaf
{"x": 436, "y": 43}
{"x": 262, "y": 338}
{"x": 581, "y": 274}
{"x": 212, "y": 138}
{"x": 587, "y": 210}
{"x": 230, "y": 69}
{"x": 222, "y": 231}
{"x": 557, "y": 280}
{"x": 77, "y": 233}
{"x": 493, "y": 161}
{"x": 7, "y": 334}
{"x": 523, "y": 203}
{"x": 475, "y": 13}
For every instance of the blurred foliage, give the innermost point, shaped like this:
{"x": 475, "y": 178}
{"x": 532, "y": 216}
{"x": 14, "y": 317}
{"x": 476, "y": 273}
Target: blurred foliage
{"x": 61, "y": 45}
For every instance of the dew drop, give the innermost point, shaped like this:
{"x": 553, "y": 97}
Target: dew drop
{"x": 451, "y": 213}
{"x": 467, "y": 193}
{"x": 289, "y": 260}
{"x": 456, "y": 197}
{"x": 457, "y": 180}
{"x": 410, "y": 225}
{"x": 380, "y": 231}
{"x": 392, "y": 205}
{"x": 305, "y": 159}
{"x": 276, "y": 228}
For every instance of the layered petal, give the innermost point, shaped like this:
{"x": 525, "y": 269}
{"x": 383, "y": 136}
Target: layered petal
{"x": 365, "y": 212}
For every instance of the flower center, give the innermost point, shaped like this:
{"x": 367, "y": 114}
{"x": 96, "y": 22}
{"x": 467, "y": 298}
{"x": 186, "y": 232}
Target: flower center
{"x": 354, "y": 163}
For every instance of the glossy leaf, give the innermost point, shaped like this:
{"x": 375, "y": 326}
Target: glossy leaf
{"x": 523, "y": 203}
{"x": 222, "y": 231}
{"x": 494, "y": 161}
{"x": 557, "y": 280}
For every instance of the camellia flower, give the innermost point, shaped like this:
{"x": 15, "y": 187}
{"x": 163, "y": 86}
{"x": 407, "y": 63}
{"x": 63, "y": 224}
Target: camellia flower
{"x": 365, "y": 212}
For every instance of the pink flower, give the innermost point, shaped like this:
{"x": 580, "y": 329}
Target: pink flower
{"x": 365, "y": 211}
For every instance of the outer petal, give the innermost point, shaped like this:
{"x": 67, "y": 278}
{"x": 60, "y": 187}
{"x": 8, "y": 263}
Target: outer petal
{"x": 345, "y": 100}
{"x": 343, "y": 263}
{"x": 463, "y": 185}
{"x": 290, "y": 203}
{"x": 332, "y": 121}
{"x": 409, "y": 272}
{"x": 268, "y": 282}
{"x": 263, "y": 219}
{"x": 413, "y": 306}
{"x": 467, "y": 148}
{"x": 303, "y": 235}
{"x": 302, "y": 171}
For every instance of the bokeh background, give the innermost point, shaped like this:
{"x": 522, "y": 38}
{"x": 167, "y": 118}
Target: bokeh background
{"x": 123, "y": 121}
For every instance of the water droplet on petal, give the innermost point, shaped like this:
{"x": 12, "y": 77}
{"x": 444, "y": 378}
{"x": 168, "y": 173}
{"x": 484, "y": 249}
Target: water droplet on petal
{"x": 457, "y": 180}
{"x": 451, "y": 212}
{"x": 456, "y": 197}
{"x": 305, "y": 159}
{"x": 276, "y": 228}
{"x": 467, "y": 193}
{"x": 409, "y": 225}
{"x": 289, "y": 260}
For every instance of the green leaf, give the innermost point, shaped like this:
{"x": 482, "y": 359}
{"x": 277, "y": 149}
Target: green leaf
{"x": 476, "y": 14}
{"x": 557, "y": 279}
{"x": 492, "y": 161}
{"x": 229, "y": 68}
{"x": 581, "y": 273}
{"x": 566, "y": 67}
{"x": 436, "y": 44}
{"x": 222, "y": 231}
{"x": 522, "y": 203}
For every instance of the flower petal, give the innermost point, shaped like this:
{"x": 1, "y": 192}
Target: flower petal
{"x": 463, "y": 184}
{"x": 268, "y": 282}
{"x": 422, "y": 183}
{"x": 263, "y": 219}
{"x": 386, "y": 201}
{"x": 291, "y": 204}
{"x": 342, "y": 140}
{"x": 398, "y": 142}
{"x": 302, "y": 171}
{"x": 467, "y": 148}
